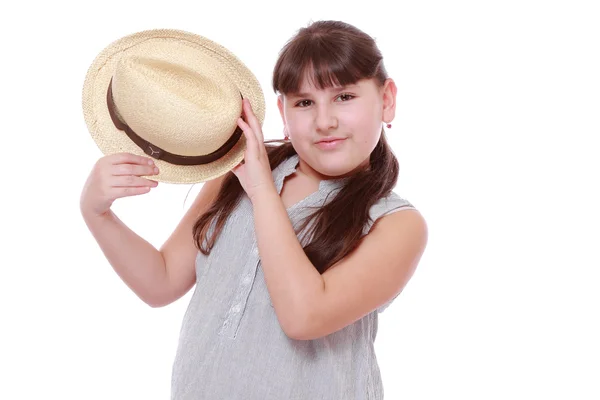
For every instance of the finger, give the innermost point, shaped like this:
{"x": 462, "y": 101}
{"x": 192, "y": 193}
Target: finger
{"x": 133, "y": 169}
{"x": 129, "y": 158}
{"x": 251, "y": 141}
{"x": 252, "y": 120}
{"x": 131, "y": 181}
{"x": 254, "y": 124}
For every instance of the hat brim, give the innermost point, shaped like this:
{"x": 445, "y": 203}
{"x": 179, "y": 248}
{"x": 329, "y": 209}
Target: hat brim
{"x": 111, "y": 140}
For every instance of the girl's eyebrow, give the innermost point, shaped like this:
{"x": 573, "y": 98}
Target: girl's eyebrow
{"x": 298, "y": 94}
{"x": 331, "y": 89}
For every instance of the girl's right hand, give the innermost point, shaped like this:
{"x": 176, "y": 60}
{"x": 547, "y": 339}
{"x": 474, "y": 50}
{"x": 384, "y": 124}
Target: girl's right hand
{"x": 114, "y": 176}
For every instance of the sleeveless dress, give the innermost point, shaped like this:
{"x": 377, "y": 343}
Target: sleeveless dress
{"x": 231, "y": 345}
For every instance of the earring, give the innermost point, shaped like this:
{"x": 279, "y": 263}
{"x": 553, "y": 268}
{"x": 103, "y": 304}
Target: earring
{"x": 389, "y": 126}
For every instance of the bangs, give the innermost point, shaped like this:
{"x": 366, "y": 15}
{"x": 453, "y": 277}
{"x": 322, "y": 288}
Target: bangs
{"x": 324, "y": 64}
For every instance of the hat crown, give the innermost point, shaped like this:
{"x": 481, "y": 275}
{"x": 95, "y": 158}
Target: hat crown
{"x": 178, "y": 95}
{"x": 186, "y": 109}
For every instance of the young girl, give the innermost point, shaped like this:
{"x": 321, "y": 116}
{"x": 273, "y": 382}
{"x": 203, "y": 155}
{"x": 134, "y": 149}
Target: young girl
{"x": 290, "y": 268}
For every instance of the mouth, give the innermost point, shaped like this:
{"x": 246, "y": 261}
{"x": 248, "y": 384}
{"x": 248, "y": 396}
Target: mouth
{"x": 330, "y": 143}
{"x": 331, "y": 139}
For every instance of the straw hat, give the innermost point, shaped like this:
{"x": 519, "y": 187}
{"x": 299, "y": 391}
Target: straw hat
{"x": 172, "y": 95}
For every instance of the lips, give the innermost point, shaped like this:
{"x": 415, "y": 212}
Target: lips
{"x": 330, "y": 143}
{"x": 332, "y": 139}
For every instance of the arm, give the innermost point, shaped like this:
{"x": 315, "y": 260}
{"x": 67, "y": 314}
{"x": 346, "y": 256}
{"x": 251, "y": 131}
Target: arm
{"x": 290, "y": 276}
{"x": 157, "y": 277}
{"x": 310, "y": 305}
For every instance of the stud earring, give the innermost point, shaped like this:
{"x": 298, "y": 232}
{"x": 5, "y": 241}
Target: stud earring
{"x": 286, "y": 138}
{"x": 389, "y": 126}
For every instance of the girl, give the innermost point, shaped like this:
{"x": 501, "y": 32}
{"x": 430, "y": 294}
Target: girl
{"x": 290, "y": 268}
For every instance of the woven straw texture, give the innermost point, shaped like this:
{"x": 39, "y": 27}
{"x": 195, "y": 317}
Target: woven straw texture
{"x": 177, "y": 90}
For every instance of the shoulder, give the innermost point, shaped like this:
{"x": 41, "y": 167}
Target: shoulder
{"x": 390, "y": 204}
{"x": 395, "y": 220}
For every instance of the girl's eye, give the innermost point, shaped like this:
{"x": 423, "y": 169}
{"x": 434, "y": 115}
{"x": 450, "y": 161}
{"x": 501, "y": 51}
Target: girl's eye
{"x": 345, "y": 97}
{"x": 303, "y": 103}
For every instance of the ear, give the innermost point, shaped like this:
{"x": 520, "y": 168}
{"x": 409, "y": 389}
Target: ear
{"x": 389, "y": 100}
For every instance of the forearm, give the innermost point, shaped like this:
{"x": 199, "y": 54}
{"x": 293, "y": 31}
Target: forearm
{"x": 292, "y": 280}
{"x": 139, "y": 264}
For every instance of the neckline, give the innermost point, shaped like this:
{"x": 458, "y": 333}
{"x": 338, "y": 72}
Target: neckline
{"x": 289, "y": 166}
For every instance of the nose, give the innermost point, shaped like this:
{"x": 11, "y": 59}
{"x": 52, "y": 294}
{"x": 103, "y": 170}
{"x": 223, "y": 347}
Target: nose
{"x": 325, "y": 118}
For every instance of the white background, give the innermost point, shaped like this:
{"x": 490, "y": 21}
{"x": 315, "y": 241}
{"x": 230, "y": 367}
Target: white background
{"x": 496, "y": 133}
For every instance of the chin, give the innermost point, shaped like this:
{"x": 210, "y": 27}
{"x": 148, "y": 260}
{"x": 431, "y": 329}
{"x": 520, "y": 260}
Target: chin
{"x": 334, "y": 168}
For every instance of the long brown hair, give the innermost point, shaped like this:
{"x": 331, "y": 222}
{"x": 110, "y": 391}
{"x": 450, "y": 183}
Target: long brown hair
{"x": 336, "y": 53}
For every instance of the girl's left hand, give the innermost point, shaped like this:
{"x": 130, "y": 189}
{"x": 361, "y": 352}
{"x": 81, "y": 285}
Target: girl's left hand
{"x": 254, "y": 172}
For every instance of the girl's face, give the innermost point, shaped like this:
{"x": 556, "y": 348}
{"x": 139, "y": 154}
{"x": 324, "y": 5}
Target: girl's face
{"x": 334, "y": 130}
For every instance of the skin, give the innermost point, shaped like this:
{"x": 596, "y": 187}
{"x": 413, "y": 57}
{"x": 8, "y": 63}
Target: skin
{"x": 355, "y": 112}
{"x": 308, "y": 304}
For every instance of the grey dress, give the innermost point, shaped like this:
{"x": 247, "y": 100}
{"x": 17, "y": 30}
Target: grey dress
{"x": 231, "y": 345}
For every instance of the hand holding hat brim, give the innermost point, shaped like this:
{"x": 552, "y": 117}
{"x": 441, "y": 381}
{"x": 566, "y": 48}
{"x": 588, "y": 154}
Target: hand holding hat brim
{"x": 162, "y": 86}
{"x": 254, "y": 172}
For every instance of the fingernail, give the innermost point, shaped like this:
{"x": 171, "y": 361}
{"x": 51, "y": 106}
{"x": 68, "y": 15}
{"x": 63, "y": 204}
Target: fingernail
{"x": 156, "y": 170}
{"x": 150, "y": 162}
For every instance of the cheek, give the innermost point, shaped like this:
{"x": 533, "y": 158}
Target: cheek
{"x": 293, "y": 124}
{"x": 364, "y": 125}
{"x": 298, "y": 127}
